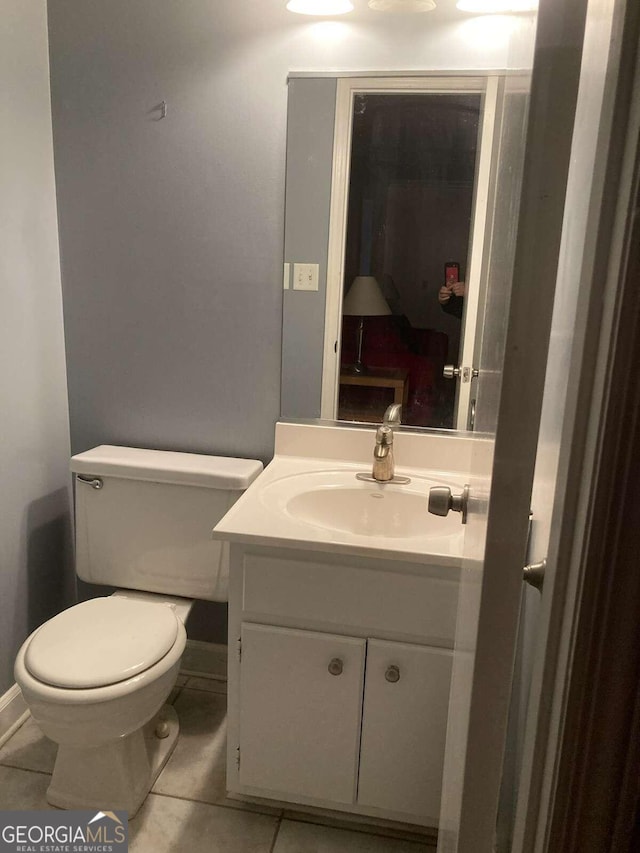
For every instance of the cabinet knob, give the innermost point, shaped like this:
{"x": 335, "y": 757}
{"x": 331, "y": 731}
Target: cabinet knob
{"x": 335, "y": 666}
{"x": 392, "y": 674}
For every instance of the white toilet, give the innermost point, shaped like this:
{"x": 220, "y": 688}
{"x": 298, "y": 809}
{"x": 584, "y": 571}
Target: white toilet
{"x": 95, "y": 677}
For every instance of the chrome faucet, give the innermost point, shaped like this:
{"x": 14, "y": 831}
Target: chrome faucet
{"x": 391, "y": 417}
{"x": 383, "y": 463}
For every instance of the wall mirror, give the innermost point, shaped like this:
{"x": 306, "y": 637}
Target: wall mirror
{"x": 390, "y": 198}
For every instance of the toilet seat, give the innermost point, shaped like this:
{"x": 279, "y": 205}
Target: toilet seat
{"x": 101, "y": 642}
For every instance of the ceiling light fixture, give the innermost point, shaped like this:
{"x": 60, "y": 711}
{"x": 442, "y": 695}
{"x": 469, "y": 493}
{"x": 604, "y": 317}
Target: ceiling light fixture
{"x": 497, "y": 7}
{"x": 402, "y": 5}
{"x": 320, "y": 7}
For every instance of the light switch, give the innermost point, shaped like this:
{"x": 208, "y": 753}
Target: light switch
{"x": 287, "y": 276}
{"x": 305, "y": 276}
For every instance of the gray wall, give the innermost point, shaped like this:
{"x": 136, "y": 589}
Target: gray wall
{"x": 172, "y": 230}
{"x": 36, "y": 577}
{"x": 311, "y": 116}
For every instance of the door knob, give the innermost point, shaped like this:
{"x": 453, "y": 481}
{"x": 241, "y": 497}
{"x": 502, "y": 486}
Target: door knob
{"x": 449, "y": 371}
{"x": 533, "y": 574}
{"x": 441, "y": 501}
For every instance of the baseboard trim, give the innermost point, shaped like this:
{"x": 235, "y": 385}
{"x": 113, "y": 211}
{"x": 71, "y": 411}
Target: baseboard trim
{"x": 13, "y": 712}
{"x": 208, "y": 660}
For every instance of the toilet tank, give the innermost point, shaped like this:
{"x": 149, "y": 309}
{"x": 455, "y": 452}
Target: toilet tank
{"x": 144, "y": 518}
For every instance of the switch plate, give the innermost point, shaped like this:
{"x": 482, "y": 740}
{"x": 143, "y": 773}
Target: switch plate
{"x": 287, "y": 276}
{"x": 305, "y": 276}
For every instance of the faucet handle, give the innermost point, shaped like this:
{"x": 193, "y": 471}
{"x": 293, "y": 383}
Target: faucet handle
{"x": 392, "y": 415}
{"x": 384, "y": 435}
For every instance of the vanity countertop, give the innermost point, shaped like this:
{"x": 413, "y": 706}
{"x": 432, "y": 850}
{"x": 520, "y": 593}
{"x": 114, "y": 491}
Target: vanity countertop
{"x": 318, "y": 504}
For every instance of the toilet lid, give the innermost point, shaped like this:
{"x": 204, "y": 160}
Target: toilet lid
{"x": 101, "y": 642}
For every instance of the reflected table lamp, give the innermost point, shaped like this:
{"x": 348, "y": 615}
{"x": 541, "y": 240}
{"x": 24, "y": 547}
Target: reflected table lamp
{"x": 364, "y": 299}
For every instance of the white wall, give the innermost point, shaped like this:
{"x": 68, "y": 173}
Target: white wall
{"x": 35, "y": 577}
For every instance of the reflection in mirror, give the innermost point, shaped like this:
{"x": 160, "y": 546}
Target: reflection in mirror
{"x": 398, "y": 185}
{"x": 411, "y": 183}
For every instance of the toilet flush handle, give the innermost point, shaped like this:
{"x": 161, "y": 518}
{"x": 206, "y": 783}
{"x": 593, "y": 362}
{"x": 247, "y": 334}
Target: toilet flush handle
{"x": 94, "y": 482}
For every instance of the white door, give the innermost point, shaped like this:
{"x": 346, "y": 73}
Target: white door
{"x": 549, "y": 239}
{"x": 566, "y": 463}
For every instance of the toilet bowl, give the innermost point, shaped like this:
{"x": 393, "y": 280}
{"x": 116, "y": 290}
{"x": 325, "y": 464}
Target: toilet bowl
{"x": 96, "y": 676}
{"x": 102, "y": 702}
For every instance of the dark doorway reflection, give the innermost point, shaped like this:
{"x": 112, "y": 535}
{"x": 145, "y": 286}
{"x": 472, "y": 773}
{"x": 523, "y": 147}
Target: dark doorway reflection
{"x": 413, "y": 165}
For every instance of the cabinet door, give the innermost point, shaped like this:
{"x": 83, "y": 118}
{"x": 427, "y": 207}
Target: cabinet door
{"x": 404, "y": 726}
{"x": 300, "y": 712}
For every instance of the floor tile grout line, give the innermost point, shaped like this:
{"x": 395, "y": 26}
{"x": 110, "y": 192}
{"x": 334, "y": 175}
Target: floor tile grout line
{"x": 276, "y": 834}
{"x": 215, "y": 679}
{"x": 279, "y": 817}
{"x": 218, "y": 805}
{"x": 219, "y": 679}
{"x": 411, "y": 835}
{"x": 26, "y": 769}
{"x": 368, "y": 829}
{"x": 255, "y": 809}
{"x": 298, "y": 818}
{"x": 204, "y": 690}
{"x": 178, "y": 694}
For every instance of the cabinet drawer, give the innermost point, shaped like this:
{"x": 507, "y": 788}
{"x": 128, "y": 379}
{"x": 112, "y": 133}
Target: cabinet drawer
{"x": 371, "y": 601}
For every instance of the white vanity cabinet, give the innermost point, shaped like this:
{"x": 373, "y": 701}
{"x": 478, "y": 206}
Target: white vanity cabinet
{"x": 339, "y": 677}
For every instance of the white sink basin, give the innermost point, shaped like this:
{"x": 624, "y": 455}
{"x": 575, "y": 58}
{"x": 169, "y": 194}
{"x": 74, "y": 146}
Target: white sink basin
{"x": 335, "y": 500}
{"x": 309, "y": 499}
{"x": 365, "y": 512}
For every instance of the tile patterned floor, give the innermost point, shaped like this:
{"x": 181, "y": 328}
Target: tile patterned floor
{"x": 188, "y": 808}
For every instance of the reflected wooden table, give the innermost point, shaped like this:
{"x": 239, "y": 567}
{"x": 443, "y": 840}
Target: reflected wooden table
{"x": 393, "y": 378}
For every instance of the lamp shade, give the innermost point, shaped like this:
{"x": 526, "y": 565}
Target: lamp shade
{"x": 365, "y": 299}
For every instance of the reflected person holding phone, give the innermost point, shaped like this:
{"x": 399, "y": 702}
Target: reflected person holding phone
{"x": 451, "y": 298}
